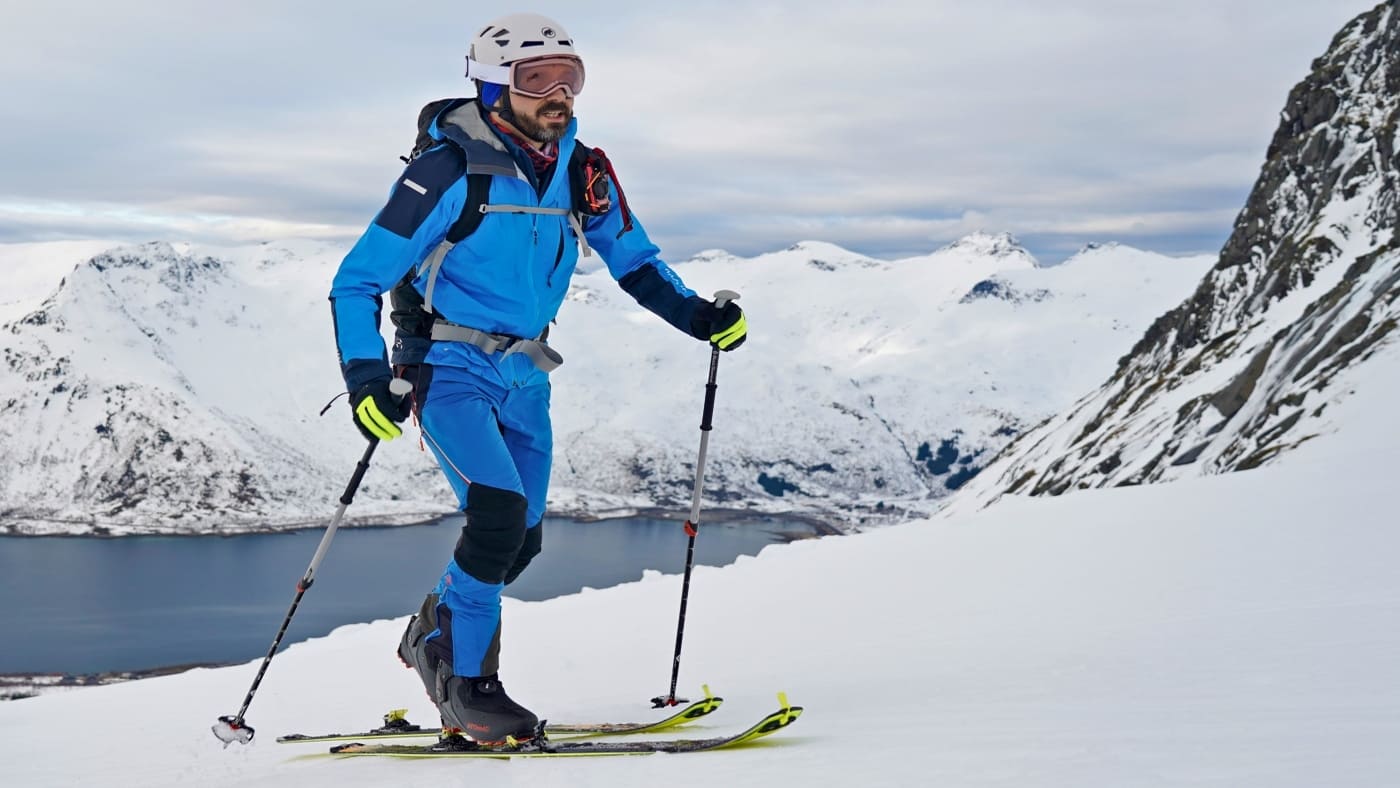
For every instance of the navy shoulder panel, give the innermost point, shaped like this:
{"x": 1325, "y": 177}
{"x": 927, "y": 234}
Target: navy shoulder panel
{"x": 420, "y": 188}
{"x": 485, "y": 159}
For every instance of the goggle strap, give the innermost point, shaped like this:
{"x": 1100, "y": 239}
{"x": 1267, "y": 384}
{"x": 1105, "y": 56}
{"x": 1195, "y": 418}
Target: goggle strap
{"x": 496, "y": 75}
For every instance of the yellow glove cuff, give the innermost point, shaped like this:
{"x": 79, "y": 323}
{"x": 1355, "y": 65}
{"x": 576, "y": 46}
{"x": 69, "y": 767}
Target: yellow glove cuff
{"x": 379, "y": 425}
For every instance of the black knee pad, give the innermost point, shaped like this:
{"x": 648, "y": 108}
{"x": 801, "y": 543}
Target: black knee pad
{"x": 493, "y": 534}
{"x": 531, "y": 547}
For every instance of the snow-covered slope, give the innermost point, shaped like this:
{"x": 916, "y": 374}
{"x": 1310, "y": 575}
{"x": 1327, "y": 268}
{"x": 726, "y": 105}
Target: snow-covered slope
{"x": 1231, "y": 630}
{"x": 32, "y": 269}
{"x": 1305, "y": 294}
{"x": 169, "y": 387}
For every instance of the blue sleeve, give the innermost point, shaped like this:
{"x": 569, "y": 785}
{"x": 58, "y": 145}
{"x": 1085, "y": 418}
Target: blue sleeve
{"x": 633, "y": 261}
{"x": 424, "y": 203}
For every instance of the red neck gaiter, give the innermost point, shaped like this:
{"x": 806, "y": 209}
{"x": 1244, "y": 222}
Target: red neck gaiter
{"x": 542, "y": 160}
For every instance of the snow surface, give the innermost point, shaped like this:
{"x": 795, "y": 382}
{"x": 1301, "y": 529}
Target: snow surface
{"x": 1234, "y": 630}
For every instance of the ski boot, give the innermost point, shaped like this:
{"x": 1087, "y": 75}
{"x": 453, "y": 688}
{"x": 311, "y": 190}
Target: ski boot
{"x": 475, "y": 708}
{"x": 413, "y": 646}
{"x": 482, "y": 711}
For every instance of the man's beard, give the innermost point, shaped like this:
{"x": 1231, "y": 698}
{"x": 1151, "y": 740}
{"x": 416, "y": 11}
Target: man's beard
{"x": 532, "y": 127}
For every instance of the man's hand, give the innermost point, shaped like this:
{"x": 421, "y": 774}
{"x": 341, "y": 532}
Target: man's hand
{"x": 723, "y": 326}
{"x": 376, "y": 410}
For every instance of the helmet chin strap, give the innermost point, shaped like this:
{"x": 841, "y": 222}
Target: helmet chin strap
{"x": 507, "y": 114}
{"x": 506, "y": 111}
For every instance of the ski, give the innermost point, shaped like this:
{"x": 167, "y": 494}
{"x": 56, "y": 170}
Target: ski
{"x": 541, "y": 747}
{"x": 397, "y": 726}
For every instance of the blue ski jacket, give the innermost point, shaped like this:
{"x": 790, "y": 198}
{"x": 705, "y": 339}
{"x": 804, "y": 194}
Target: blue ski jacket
{"x": 509, "y": 276}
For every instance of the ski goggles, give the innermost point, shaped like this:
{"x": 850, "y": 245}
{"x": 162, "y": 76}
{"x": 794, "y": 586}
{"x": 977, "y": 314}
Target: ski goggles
{"x": 533, "y": 78}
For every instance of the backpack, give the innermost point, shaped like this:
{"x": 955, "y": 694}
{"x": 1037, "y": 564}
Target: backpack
{"x": 591, "y": 181}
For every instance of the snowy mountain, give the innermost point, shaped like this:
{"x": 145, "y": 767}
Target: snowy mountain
{"x": 174, "y": 388}
{"x": 1306, "y": 292}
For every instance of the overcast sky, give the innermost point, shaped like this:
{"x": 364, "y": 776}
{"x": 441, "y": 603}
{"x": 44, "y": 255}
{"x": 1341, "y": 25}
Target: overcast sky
{"x": 890, "y": 128}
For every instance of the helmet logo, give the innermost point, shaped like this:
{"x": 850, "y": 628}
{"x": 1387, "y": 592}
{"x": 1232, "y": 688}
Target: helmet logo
{"x": 548, "y": 32}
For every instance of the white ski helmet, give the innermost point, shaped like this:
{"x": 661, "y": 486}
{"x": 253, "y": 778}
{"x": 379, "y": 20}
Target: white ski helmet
{"x": 512, "y": 38}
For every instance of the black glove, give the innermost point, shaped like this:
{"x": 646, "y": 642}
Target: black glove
{"x": 375, "y": 410}
{"x": 723, "y": 326}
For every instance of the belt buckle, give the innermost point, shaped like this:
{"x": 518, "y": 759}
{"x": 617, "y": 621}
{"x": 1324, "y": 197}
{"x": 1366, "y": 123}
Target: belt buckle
{"x": 502, "y": 343}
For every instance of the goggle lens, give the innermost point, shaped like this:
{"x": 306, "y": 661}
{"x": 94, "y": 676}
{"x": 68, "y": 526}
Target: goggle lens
{"x": 541, "y": 77}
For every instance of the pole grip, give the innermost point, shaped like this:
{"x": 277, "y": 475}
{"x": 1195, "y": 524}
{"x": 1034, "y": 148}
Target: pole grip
{"x": 398, "y": 388}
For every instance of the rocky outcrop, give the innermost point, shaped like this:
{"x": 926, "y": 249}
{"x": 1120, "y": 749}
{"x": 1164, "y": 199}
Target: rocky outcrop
{"x": 1305, "y": 290}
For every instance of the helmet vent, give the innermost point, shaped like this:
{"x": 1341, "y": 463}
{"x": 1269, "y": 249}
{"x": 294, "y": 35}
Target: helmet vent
{"x": 514, "y": 37}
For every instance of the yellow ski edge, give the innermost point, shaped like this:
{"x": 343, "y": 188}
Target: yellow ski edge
{"x": 370, "y": 750}
{"x": 700, "y": 708}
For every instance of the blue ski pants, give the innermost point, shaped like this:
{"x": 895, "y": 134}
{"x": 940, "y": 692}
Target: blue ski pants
{"x": 494, "y": 444}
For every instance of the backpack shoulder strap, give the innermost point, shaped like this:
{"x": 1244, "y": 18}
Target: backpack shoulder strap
{"x": 426, "y": 116}
{"x": 412, "y": 313}
{"x": 478, "y": 192}
{"x": 478, "y": 185}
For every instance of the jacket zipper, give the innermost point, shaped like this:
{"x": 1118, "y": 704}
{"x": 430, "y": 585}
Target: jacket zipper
{"x": 558, "y": 258}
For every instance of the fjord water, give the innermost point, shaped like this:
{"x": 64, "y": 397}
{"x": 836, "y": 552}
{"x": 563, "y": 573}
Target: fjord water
{"x": 89, "y": 605}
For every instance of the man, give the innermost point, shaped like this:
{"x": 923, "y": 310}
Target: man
{"x": 472, "y": 315}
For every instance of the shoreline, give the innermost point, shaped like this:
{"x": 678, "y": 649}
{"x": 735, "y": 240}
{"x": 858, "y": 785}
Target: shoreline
{"x": 823, "y": 525}
{"x": 22, "y": 686}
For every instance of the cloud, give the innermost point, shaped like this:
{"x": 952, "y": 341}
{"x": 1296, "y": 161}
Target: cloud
{"x": 881, "y": 127}
{"x": 55, "y": 221}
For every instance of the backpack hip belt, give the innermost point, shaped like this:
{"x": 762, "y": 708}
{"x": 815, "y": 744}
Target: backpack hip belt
{"x": 541, "y": 354}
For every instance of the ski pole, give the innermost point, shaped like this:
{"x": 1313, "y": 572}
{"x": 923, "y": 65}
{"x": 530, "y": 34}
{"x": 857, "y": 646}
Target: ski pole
{"x": 692, "y": 526}
{"x": 232, "y": 728}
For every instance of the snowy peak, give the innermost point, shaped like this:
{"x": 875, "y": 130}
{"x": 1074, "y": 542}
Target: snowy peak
{"x": 1303, "y": 295}
{"x": 1090, "y": 251}
{"x": 1000, "y": 248}
{"x": 711, "y": 256}
{"x": 820, "y": 256}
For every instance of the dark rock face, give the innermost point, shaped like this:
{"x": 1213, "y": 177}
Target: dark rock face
{"x": 1305, "y": 289}
{"x": 1001, "y": 290}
